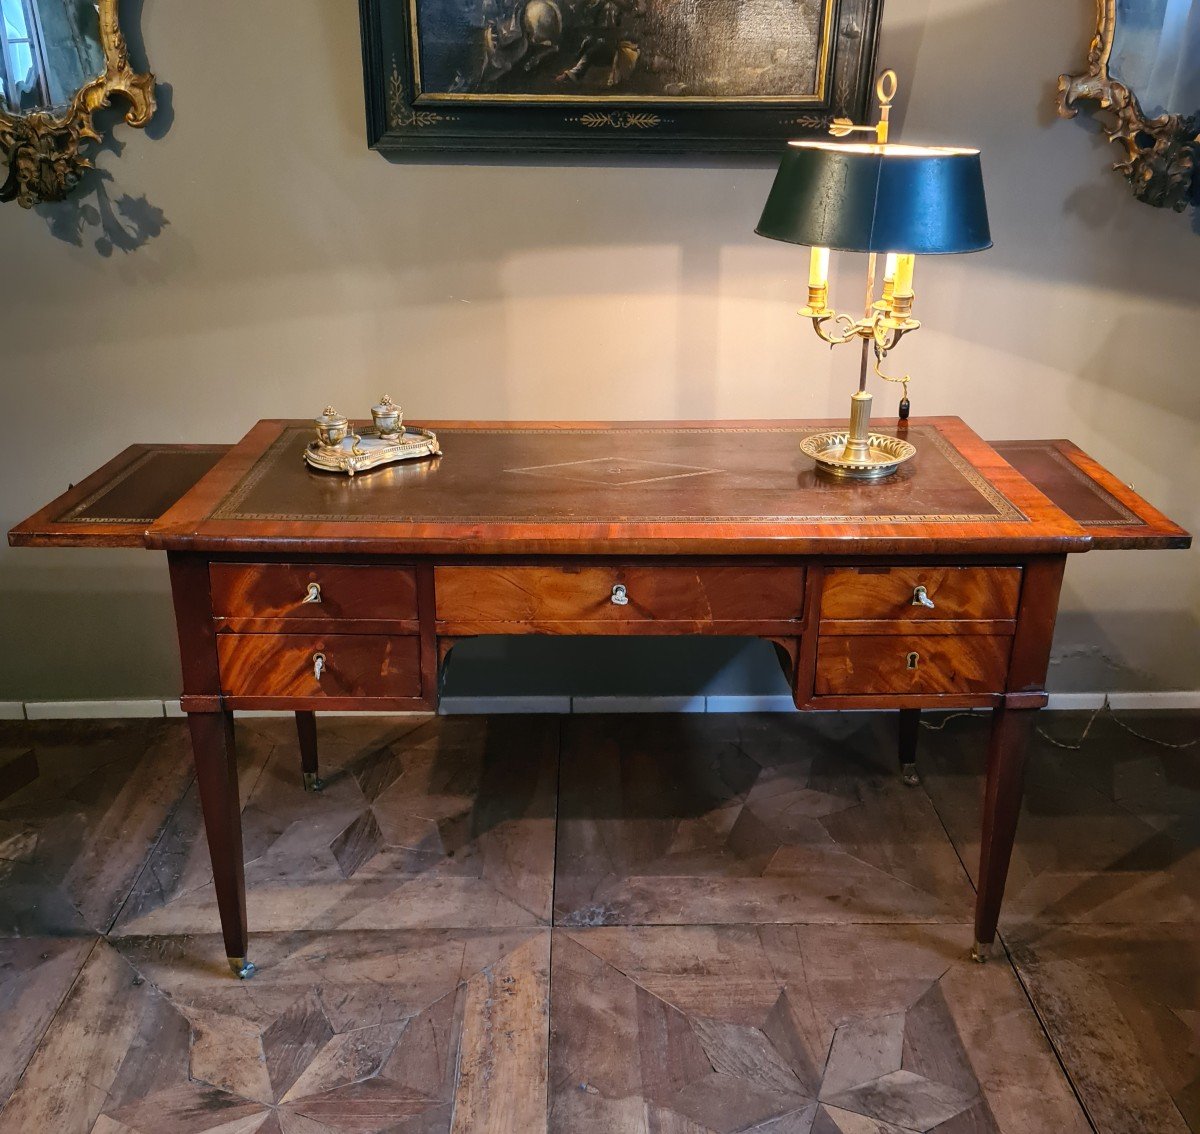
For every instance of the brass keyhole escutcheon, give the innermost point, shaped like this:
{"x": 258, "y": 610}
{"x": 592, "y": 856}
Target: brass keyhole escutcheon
{"x": 318, "y": 665}
{"x": 913, "y": 659}
{"x": 620, "y": 596}
{"x": 314, "y": 593}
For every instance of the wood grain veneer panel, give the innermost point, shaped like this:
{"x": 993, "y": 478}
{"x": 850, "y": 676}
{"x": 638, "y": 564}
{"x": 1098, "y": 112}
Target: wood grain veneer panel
{"x": 580, "y": 599}
{"x": 976, "y": 593}
{"x": 356, "y": 665}
{"x": 278, "y": 591}
{"x": 879, "y": 665}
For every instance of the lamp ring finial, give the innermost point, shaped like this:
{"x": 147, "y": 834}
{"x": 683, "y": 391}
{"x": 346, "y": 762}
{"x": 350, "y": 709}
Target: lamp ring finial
{"x": 886, "y": 87}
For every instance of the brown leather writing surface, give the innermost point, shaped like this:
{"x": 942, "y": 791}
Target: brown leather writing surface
{"x": 1111, "y": 512}
{"x": 115, "y": 505}
{"x": 1078, "y": 495}
{"x": 570, "y": 475}
{"x": 145, "y": 490}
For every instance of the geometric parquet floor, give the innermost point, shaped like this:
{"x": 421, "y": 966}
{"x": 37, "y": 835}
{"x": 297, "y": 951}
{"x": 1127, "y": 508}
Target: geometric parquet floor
{"x": 692, "y": 924}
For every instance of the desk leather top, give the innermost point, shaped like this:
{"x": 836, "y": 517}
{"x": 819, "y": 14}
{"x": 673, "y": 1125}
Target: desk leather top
{"x": 598, "y": 488}
{"x": 748, "y": 475}
{"x": 640, "y": 488}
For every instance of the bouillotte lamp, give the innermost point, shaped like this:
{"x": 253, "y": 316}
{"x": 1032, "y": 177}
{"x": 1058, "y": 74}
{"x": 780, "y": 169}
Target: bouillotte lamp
{"x": 876, "y": 197}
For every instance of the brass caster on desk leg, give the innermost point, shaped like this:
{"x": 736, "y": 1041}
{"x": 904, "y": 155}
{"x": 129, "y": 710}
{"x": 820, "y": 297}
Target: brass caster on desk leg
{"x": 980, "y": 952}
{"x": 242, "y": 969}
{"x": 313, "y": 782}
{"x": 908, "y": 773}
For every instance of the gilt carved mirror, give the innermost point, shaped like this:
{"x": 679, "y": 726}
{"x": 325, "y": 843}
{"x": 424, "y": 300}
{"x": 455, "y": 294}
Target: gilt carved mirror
{"x": 1144, "y": 73}
{"x": 61, "y": 61}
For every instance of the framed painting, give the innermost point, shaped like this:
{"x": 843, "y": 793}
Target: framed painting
{"x": 651, "y": 76}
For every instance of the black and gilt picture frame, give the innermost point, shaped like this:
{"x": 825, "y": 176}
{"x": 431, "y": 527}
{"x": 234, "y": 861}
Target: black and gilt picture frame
{"x": 650, "y": 76}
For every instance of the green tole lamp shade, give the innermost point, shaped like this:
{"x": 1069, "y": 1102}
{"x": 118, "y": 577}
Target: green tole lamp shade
{"x": 924, "y": 200}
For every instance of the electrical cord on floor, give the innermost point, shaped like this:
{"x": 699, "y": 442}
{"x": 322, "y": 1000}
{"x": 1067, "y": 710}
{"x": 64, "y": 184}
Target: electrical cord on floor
{"x": 1106, "y": 709}
{"x": 944, "y": 721}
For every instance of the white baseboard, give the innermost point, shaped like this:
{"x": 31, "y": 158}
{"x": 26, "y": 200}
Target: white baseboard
{"x": 1084, "y": 701}
{"x": 1178, "y": 699}
{"x": 452, "y": 706}
{"x": 656, "y": 704}
{"x": 749, "y": 703}
{"x": 474, "y": 706}
{"x": 90, "y": 710}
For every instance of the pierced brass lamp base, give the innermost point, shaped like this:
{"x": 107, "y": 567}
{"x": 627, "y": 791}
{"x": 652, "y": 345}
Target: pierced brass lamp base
{"x": 856, "y": 453}
{"x": 882, "y": 456}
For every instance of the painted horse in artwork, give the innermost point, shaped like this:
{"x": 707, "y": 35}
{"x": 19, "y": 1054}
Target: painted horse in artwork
{"x": 527, "y": 36}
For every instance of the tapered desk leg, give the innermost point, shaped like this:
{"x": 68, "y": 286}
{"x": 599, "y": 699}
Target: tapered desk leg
{"x": 216, "y": 776}
{"x": 306, "y": 730}
{"x": 1008, "y": 750}
{"x": 910, "y": 728}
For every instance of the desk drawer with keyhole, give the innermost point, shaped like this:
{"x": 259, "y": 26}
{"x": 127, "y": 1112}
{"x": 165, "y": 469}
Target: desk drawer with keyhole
{"x": 264, "y": 597}
{"x": 316, "y": 665}
{"x": 935, "y": 664}
{"x": 618, "y": 599}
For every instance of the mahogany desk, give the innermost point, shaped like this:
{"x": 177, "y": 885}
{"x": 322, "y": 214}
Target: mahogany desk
{"x": 935, "y": 589}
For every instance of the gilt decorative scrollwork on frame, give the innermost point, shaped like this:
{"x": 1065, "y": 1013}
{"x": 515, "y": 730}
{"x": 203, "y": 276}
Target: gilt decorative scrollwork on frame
{"x": 1143, "y": 61}
{"x": 58, "y": 68}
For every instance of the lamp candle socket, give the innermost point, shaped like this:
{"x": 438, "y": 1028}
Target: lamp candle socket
{"x": 818, "y": 300}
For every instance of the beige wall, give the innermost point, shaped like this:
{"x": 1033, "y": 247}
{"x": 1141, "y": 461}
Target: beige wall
{"x": 296, "y": 267}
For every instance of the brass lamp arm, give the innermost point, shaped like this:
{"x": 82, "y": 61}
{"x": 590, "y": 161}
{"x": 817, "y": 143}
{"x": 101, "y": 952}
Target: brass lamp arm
{"x": 887, "y": 338}
{"x": 850, "y": 328}
{"x": 885, "y": 334}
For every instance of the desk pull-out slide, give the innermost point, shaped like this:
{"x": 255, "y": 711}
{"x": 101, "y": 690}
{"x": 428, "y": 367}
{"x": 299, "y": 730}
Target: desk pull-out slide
{"x": 117, "y": 504}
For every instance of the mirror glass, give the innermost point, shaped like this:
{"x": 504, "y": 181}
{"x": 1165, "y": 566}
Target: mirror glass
{"x": 48, "y": 50}
{"x": 1156, "y": 54}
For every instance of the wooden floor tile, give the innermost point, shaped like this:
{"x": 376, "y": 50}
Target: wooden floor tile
{"x": 700, "y": 819}
{"x": 774, "y": 1029}
{"x": 85, "y": 806}
{"x": 1110, "y": 833}
{"x": 362, "y": 1033}
{"x": 36, "y": 973}
{"x": 1122, "y": 1006}
{"x": 18, "y": 769}
{"x": 433, "y": 822}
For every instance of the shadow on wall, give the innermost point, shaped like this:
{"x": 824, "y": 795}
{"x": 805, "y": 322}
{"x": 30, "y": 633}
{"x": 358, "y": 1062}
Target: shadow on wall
{"x": 93, "y": 214}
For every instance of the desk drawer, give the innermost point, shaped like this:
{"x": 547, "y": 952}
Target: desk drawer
{"x": 912, "y": 663}
{"x": 587, "y": 600}
{"x": 886, "y": 593}
{"x": 285, "y": 665}
{"x": 336, "y": 593}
